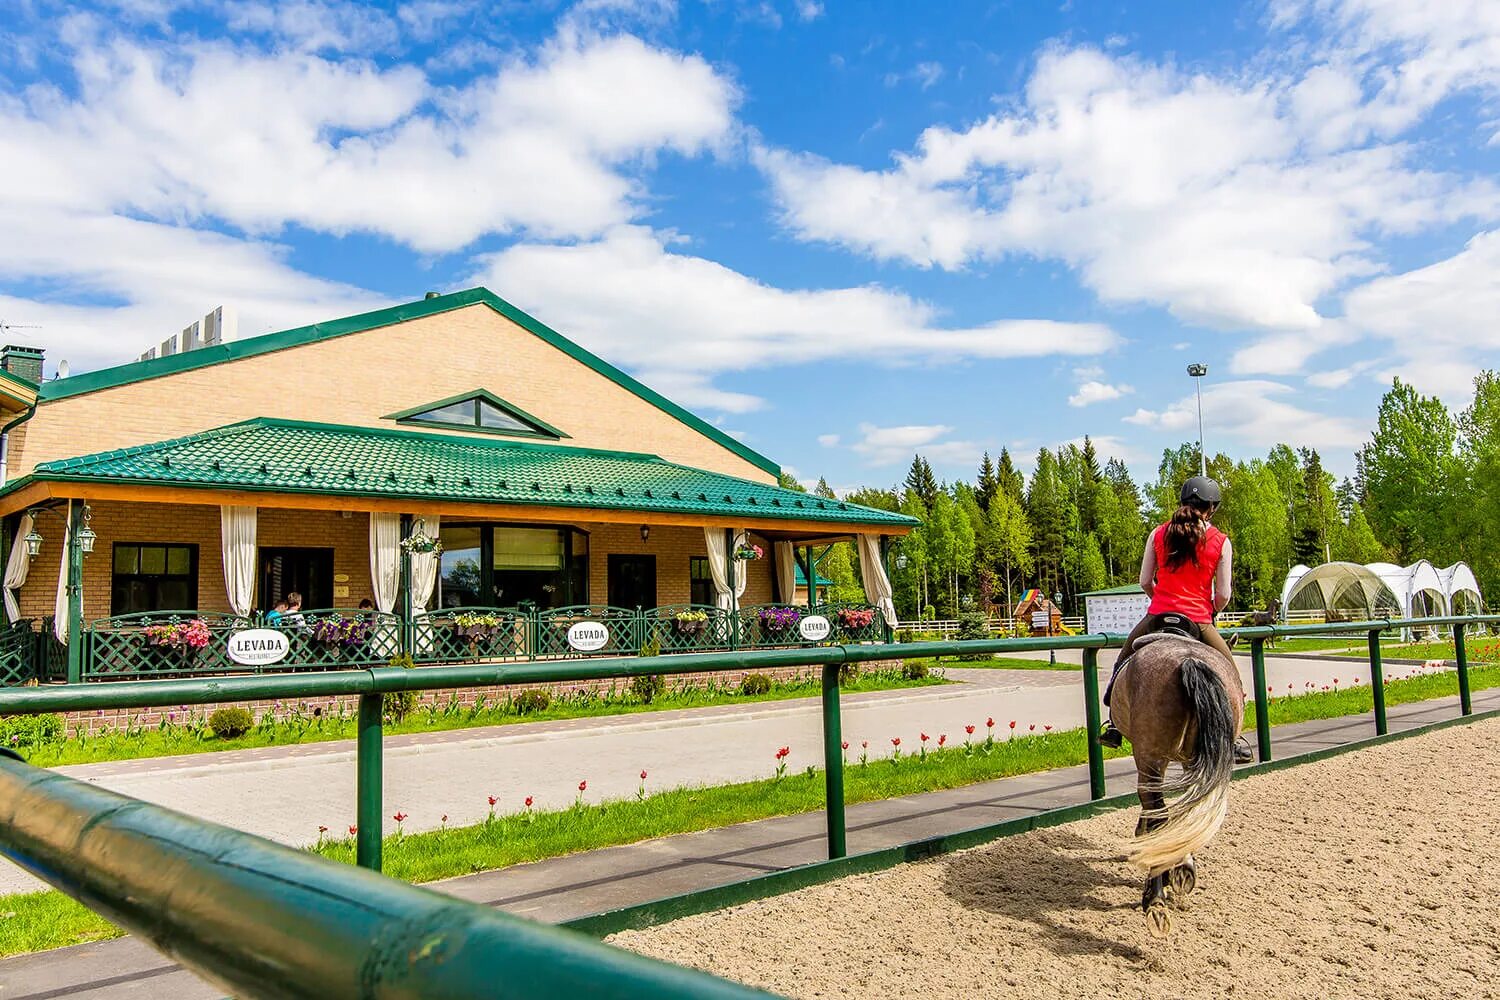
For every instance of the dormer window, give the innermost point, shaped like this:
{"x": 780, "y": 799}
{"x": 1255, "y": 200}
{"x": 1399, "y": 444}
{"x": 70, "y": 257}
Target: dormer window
{"x": 479, "y": 411}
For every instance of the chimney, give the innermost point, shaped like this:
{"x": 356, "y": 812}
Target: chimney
{"x": 25, "y": 362}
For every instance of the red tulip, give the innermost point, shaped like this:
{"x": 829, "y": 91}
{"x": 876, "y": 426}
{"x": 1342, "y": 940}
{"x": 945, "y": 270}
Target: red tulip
{"x": 322, "y": 829}
{"x": 846, "y": 744}
{"x": 1012, "y": 723}
{"x": 528, "y": 802}
{"x": 864, "y": 744}
{"x": 643, "y": 775}
{"x": 445, "y": 817}
{"x": 1033, "y": 727}
{"x": 353, "y": 830}
{"x": 991, "y": 723}
{"x": 783, "y": 752}
{"x": 923, "y": 737}
{"x": 1047, "y": 728}
{"x": 895, "y": 741}
{"x": 399, "y": 817}
{"x": 942, "y": 738}
{"x": 969, "y": 730}
{"x": 583, "y": 785}
{"x": 493, "y": 800}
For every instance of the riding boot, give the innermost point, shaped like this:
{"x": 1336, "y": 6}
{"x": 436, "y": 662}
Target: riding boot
{"x": 1242, "y": 752}
{"x": 1111, "y": 737}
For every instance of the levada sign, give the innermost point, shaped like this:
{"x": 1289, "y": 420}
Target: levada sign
{"x": 586, "y": 637}
{"x": 814, "y": 628}
{"x": 256, "y": 647}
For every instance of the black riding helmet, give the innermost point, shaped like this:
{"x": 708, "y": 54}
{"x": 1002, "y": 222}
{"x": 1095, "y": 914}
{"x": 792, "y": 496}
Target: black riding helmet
{"x": 1200, "y": 490}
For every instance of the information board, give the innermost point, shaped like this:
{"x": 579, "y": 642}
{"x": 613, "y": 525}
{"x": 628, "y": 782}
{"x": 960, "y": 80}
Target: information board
{"x": 1115, "y": 612}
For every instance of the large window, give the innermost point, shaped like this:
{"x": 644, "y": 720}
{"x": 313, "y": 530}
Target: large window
{"x": 478, "y": 411}
{"x": 149, "y": 576}
{"x": 497, "y": 565}
{"x": 702, "y": 582}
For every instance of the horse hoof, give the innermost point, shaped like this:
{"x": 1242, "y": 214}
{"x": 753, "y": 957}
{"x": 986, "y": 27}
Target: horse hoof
{"x": 1159, "y": 920}
{"x": 1183, "y": 879}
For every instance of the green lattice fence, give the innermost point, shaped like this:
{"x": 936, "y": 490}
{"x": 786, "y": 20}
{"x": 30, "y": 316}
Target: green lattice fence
{"x": 687, "y": 628}
{"x": 161, "y": 644}
{"x": 18, "y": 653}
{"x": 471, "y": 634}
{"x": 331, "y": 638}
{"x": 622, "y": 630}
{"x": 770, "y": 625}
{"x": 853, "y": 621}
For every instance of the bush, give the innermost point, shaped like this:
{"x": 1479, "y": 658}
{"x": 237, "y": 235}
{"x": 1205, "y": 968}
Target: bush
{"x": 227, "y": 723}
{"x": 532, "y": 701}
{"x": 973, "y": 625}
{"x": 906, "y": 635}
{"x": 31, "y": 730}
{"x": 647, "y": 686}
{"x": 397, "y": 705}
{"x": 755, "y": 684}
{"x": 914, "y": 670}
{"x": 848, "y": 673}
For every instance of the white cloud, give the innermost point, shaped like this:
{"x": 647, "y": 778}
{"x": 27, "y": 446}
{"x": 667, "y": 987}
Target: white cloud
{"x": 1253, "y": 412}
{"x": 1219, "y": 198}
{"x": 890, "y": 445}
{"x": 828, "y": 440}
{"x": 1097, "y": 392}
{"x": 685, "y": 318}
{"x": 809, "y": 10}
{"x": 924, "y": 74}
{"x": 545, "y": 145}
{"x": 315, "y": 25}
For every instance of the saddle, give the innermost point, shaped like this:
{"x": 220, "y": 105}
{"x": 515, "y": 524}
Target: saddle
{"x": 1163, "y": 625}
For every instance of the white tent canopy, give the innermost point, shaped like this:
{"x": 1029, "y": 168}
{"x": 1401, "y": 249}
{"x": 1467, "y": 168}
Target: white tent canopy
{"x": 1378, "y": 590}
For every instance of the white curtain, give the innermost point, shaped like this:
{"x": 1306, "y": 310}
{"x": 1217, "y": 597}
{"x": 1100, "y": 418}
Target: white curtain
{"x": 877, "y": 584}
{"x": 424, "y": 570}
{"x": 786, "y": 572}
{"x": 385, "y": 559}
{"x": 60, "y": 607}
{"x": 237, "y": 537}
{"x": 718, "y": 567}
{"x": 18, "y": 566}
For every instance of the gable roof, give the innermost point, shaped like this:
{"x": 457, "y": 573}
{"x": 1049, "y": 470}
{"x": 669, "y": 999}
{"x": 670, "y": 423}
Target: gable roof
{"x": 288, "y": 456}
{"x": 538, "y": 426}
{"x": 140, "y": 371}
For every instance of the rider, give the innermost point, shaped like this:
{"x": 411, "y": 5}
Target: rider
{"x": 1186, "y": 571}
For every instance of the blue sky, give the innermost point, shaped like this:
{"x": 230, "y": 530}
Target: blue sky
{"x": 844, "y": 232}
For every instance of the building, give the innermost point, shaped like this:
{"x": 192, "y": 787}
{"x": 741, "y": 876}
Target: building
{"x": 326, "y": 460}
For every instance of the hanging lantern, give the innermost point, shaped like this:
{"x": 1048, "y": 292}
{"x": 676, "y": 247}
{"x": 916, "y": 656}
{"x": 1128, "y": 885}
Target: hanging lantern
{"x": 34, "y": 541}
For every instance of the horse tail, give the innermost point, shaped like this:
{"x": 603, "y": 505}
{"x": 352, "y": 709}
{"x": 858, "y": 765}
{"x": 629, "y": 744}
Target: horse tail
{"x": 1192, "y": 819}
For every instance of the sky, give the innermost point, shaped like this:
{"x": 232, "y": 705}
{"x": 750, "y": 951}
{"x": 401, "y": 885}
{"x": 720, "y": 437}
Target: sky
{"x": 843, "y": 232}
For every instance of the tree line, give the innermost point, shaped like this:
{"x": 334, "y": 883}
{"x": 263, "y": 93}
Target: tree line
{"x": 1426, "y": 486}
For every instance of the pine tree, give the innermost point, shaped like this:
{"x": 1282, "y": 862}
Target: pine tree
{"x": 920, "y": 480}
{"x": 824, "y": 490}
{"x": 788, "y": 482}
{"x": 988, "y": 485}
{"x": 1044, "y": 508}
{"x": 1008, "y": 478}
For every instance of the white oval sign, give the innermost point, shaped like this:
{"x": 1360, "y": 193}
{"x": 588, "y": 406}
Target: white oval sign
{"x": 814, "y": 627}
{"x": 258, "y": 646}
{"x": 588, "y": 636}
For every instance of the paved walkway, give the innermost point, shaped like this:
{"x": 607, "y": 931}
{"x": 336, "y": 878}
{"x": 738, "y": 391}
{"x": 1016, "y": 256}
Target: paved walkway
{"x": 565, "y": 888}
{"x": 293, "y": 790}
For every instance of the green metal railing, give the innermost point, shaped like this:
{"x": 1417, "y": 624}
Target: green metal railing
{"x": 268, "y": 921}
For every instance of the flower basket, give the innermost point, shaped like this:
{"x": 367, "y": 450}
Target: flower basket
{"x": 856, "y": 618}
{"x": 748, "y": 553}
{"x": 477, "y": 627}
{"x": 778, "y": 620}
{"x": 339, "y": 635}
{"x": 416, "y": 543}
{"x": 176, "y": 643}
{"x": 689, "y": 622}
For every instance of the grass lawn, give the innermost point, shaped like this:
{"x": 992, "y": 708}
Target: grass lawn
{"x": 1479, "y": 648}
{"x": 1309, "y": 644}
{"x": 188, "y": 734}
{"x": 996, "y": 663}
{"x": 37, "y": 921}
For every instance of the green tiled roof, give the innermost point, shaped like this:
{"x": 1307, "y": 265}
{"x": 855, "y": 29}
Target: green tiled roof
{"x": 823, "y": 581}
{"x": 140, "y": 371}
{"x": 287, "y": 456}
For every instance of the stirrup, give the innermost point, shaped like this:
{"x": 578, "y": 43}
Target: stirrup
{"x": 1242, "y": 752}
{"x": 1111, "y": 737}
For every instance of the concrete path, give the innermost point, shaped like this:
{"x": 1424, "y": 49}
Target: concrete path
{"x": 286, "y": 793}
{"x": 565, "y": 888}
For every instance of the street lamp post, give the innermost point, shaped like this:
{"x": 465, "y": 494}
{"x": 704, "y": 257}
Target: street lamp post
{"x": 1197, "y": 371}
{"x": 81, "y": 540}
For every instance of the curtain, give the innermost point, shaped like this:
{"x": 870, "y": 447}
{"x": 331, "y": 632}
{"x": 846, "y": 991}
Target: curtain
{"x": 60, "y": 607}
{"x": 18, "y": 566}
{"x": 786, "y": 572}
{"x": 424, "y": 571}
{"x": 877, "y": 584}
{"x": 385, "y": 559}
{"x": 718, "y": 567}
{"x": 237, "y": 537}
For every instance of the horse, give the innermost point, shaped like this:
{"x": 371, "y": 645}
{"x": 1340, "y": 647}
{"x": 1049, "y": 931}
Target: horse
{"x": 1270, "y": 616}
{"x": 1178, "y": 700}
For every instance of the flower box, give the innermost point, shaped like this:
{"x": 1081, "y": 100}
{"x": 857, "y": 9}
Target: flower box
{"x": 689, "y": 622}
{"x": 855, "y": 618}
{"x": 778, "y": 620}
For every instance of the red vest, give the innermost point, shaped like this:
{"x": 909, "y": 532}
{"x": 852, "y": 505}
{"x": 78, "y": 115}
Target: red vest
{"x": 1188, "y": 588}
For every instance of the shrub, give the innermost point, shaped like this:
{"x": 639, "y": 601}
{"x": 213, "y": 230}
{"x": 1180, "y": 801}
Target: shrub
{"x": 647, "y": 686}
{"x": 906, "y": 635}
{"x": 755, "y": 684}
{"x": 397, "y": 705}
{"x": 848, "y": 673}
{"x": 227, "y": 723}
{"x": 914, "y": 670}
{"x": 973, "y": 625}
{"x": 532, "y": 701}
{"x": 31, "y": 730}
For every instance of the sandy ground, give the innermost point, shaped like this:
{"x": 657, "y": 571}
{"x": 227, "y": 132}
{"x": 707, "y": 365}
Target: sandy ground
{"x": 1374, "y": 874}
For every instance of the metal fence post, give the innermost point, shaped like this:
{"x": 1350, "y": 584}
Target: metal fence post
{"x": 1377, "y": 682}
{"x": 1461, "y": 659}
{"x": 1091, "y": 721}
{"x": 368, "y": 809}
{"x": 1262, "y": 702}
{"x": 833, "y": 762}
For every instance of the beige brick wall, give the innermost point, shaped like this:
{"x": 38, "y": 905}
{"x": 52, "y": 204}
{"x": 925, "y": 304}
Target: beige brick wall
{"x": 358, "y": 378}
{"x": 349, "y": 537}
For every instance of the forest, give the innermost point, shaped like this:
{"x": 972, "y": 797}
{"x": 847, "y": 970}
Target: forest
{"x": 1426, "y": 485}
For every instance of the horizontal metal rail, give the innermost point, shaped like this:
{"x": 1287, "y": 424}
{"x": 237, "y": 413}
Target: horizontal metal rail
{"x": 265, "y": 921}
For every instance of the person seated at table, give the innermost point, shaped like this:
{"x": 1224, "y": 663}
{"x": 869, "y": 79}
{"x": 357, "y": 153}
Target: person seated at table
{"x": 292, "y": 616}
{"x": 274, "y": 616}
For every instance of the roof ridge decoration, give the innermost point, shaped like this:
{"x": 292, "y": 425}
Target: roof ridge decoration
{"x": 235, "y": 350}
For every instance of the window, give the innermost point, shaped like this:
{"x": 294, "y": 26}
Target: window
{"x": 701, "y": 581}
{"x": 480, "y": 411}
{"x": 497, "y": 565}
{"x": 148, "y": 576}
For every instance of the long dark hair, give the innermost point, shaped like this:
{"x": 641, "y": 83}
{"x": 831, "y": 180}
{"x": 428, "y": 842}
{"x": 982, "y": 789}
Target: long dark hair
{"x": 1185, "y": 532}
